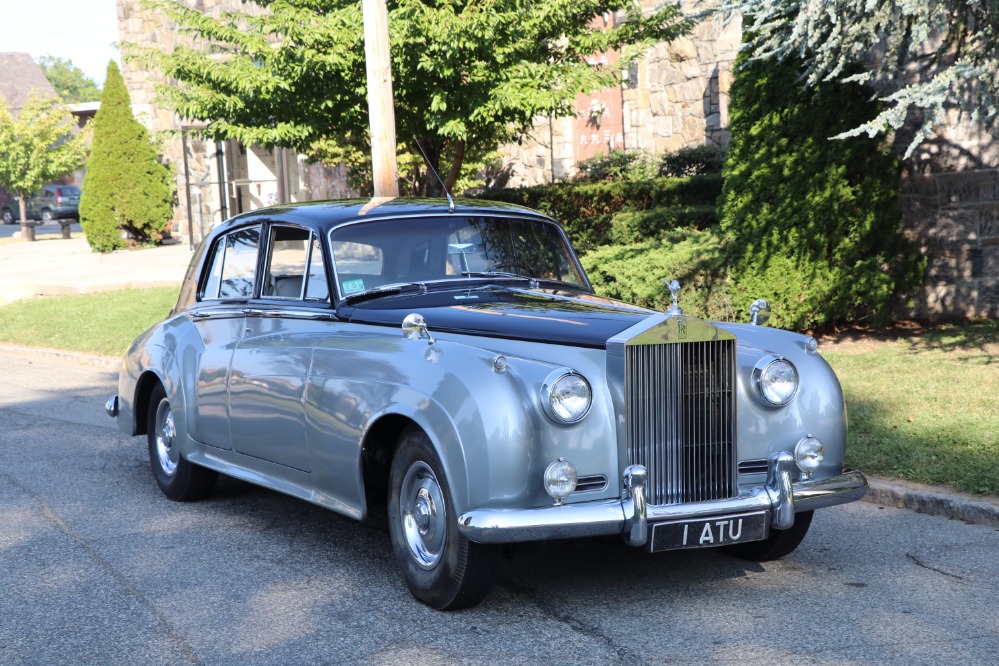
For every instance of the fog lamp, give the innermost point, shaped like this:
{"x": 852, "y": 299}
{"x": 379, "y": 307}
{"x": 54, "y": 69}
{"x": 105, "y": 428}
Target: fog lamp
{"x": 808, "y": 454}
{"x": 560, "y": 479}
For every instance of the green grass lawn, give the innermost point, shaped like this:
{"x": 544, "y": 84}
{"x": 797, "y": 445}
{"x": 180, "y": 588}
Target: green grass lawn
{"x": 99, "y": 323}
{"x": 923, "y": 402}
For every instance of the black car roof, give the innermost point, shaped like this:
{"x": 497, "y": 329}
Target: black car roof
{"x": 328, "y": 214}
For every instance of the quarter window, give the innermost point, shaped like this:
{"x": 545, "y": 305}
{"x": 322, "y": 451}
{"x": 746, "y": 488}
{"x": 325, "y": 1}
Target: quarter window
{"x": 234, "y": 266}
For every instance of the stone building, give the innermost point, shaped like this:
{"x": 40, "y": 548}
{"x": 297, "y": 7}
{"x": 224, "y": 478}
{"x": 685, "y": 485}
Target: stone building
{"x": 676, "y": 96}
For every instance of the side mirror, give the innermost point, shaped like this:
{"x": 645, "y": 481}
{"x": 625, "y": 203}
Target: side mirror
{"x": 759, "y": 312}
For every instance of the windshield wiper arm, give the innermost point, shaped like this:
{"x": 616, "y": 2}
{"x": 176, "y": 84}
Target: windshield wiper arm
{"x": 385, "y": 290}
{"x": 489, "y": 274}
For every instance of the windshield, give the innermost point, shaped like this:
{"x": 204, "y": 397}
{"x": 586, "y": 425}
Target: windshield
{"x": 383, "y": 252}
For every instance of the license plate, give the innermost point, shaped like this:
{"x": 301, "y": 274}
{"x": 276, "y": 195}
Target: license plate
{"x": 708, "y": 532}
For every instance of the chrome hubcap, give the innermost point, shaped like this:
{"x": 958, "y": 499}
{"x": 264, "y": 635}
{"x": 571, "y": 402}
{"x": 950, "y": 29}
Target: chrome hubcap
{"x": 424, "y": 518}
{"x": 166, "y": 437}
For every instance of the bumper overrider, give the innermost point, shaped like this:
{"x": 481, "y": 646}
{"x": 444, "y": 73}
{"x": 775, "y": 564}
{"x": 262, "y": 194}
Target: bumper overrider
{"x": 631, "y": 517}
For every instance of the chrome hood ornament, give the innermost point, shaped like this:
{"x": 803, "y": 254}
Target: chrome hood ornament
{"x": 674, "y": 291}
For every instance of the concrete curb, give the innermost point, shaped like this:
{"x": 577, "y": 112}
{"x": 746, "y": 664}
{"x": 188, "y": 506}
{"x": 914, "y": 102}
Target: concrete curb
{"x": 934, "y": 501}
{"x": 108, "y": 362}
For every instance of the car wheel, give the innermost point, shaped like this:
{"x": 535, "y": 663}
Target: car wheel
{"x": 47, "y": 216}
{"x": 179, "y": 479}
{"x": 8, "y": 217}
{"x": 442, "y": 568}
{"x": 778, "y": 544}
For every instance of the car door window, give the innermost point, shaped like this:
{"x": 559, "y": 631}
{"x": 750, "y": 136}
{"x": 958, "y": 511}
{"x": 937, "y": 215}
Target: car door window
{"x": 286, "y": 263}
{"x": 295, "y": 267}
{"x": 317, "y": 288}
{"x": 233, "y": 266}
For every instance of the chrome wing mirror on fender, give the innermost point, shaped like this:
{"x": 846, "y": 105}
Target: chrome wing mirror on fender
{"x": 759, "y": 312}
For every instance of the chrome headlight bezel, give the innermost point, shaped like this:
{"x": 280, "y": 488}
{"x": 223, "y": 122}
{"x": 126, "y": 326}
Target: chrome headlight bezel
{"x": 556, "y": 391}
{"x": 769, "y": 369}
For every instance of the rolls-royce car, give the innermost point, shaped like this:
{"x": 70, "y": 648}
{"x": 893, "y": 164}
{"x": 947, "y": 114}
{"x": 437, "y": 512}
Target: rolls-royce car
{"x": 454, "y": 363}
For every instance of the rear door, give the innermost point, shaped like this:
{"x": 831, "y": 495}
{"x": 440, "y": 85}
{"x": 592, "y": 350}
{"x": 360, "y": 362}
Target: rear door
{"x": 226, "y": 288}
{"x": 271, "y": 363}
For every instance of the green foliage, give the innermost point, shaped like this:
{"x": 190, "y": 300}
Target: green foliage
{"x": 815, "y": 222}
{"x": 658, "y": 223}
{"x": 69, "y": 81}
{"x": 616, "y": 165}
{"x": 467, "y": 76}
{"x": 101, "y": 323}
{"x": 126, "y": 188}
{"x": 692, "y": 161}
{"x": 588, "y": 210}
{"x": 634, "y": 272}
{"x": 923, "y": 55}
{"x": 37, "y": 146}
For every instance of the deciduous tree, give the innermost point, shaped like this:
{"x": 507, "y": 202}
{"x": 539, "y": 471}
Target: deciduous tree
{"x": 37, "y": 146}
{"x": 69, "y": 81}
{"x": 467, "y": 74}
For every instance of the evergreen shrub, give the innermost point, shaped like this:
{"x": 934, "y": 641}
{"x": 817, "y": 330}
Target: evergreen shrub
{"x": 125, "y": 188}
{"x": 692, "y": 161}
{"x": 634, "y": 272}
{"x": 588, "y": 210}
{"x": 814, "y": 222}
{"x": 616, "y": 165}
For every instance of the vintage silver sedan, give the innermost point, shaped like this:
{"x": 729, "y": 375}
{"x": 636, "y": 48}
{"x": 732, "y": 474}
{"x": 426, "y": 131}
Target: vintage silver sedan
{"x": 455, "y": 363}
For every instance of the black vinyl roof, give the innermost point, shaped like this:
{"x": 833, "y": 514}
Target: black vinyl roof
{"x": 328, "y": 214}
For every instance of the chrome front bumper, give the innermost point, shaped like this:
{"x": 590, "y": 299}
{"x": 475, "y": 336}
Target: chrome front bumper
{"x": 112, "y": 407}
{"x": 631, "y": 517}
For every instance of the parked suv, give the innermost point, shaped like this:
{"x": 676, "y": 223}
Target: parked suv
{"x": 53, "y": 202}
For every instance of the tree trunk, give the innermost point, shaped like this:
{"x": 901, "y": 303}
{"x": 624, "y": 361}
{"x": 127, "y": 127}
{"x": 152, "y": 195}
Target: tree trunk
{"x": 455, "y": 171}
{"x": 27, "y": 229}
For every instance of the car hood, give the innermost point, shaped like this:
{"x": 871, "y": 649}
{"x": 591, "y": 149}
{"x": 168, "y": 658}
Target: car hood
{"x": 557, "y": 317}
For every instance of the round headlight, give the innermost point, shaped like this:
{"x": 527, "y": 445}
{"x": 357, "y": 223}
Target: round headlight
{"x": 566, "y": 396}
{"x": 776, "y": 380}
{"x": 808, "y": 454}
{"x": 560, "y": 479}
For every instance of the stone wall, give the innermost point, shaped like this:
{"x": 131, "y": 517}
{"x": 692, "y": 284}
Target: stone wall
{"x": 676, "y": 96}
{"x": 954, "y": 216}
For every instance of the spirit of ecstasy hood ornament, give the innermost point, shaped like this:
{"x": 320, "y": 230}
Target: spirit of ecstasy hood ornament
{"x": 674, "y": 291}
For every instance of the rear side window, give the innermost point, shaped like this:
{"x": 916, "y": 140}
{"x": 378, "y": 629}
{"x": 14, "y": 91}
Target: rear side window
{"x": 295, "y": 268}
{"x": 233, "y": 267}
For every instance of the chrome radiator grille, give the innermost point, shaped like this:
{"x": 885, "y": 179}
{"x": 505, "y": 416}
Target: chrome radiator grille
{"x": 680, "y": 400}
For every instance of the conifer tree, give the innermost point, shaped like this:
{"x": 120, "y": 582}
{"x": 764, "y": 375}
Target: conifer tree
{"x": 126, "y": 188}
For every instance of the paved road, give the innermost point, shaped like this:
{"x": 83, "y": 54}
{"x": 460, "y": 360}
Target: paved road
{"x": 96, "y": 566}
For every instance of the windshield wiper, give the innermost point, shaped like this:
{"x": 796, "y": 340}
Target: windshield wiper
{"x": 489, "y": 274}
{"x": 385, "y": 290}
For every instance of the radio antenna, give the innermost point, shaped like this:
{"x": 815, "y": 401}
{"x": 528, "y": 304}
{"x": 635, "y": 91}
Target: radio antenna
{"x": 450, "y": 201}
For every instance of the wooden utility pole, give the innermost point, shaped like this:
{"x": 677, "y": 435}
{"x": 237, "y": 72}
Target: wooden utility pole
{"x": 381, "y": 105}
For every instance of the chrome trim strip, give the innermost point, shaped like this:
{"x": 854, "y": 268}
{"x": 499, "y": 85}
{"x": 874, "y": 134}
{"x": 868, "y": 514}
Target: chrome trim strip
{"x": 630, "y": 517}
{"x": 286, "y": 313}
